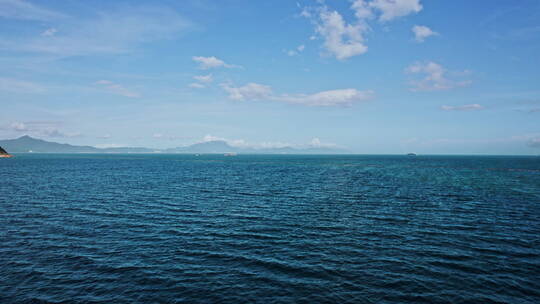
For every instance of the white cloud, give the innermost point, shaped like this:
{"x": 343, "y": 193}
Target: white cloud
{"x": 362, "y": 9}
{"x": 469, "y": 107}
{"x": 273, "y": 145}
{"x": 117, "y": 89}
{"x": 18, "y": 9}
{"x": 197, "y": 85}
{"x": 316, "y": 143}
{"x": 19, "y": 126}
{"x": 296, "y": 51}
{"x": 306, "y": 13}
{"x": 49, "y": 32}
{"x": 422, "y": 32}
{"x": 341, "y": 97}
{"x": 238, "y": 143}
{"x": 204, "y": 78}
{"x": 250, "y": 91}
{"x": 59, "y": 134}
{"x": 434, "y": 79}
{"x": 341, "y": 40}
{"x": 212, "y": 62}
{"x": 209, "y": 137}
{"x": 344, "y": 39}
{"x": 391, "y": 9}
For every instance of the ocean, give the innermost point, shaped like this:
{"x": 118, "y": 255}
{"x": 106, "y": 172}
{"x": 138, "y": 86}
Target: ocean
{"x": 131, "y": 228}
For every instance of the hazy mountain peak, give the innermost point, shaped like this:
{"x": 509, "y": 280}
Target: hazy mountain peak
{"x": 29, "y": 144}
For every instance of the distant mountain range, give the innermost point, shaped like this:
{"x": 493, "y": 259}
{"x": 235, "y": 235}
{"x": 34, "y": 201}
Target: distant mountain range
{"x": 27, "y": 144}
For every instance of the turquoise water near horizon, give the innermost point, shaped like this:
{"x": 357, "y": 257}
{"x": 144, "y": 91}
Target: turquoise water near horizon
{"x": 170, "y": 228}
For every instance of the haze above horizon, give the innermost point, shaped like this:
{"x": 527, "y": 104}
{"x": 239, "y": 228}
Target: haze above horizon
{"x": 369, "y": 76}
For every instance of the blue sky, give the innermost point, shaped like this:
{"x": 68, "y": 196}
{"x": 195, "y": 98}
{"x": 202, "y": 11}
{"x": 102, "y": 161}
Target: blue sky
{"x": 371, "y": 76}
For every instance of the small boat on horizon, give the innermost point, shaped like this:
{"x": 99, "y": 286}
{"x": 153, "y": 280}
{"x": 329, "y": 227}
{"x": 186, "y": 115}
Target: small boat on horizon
{"x": 411, "y": 154}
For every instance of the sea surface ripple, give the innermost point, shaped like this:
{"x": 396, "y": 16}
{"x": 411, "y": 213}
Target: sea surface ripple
{"x": 269, "y": 229}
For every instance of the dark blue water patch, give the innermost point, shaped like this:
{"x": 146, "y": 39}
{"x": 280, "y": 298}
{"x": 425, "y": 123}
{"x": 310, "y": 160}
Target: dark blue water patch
{"x": 269, "y": 229}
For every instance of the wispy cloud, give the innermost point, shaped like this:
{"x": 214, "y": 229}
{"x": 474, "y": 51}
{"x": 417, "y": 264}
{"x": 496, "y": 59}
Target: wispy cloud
{"x": 241, "y": 143}
{"x": 197, "y": 85}
{"x": 296, "y": 51}
{"x": 117, "y": 89}
{"x": 49, "y": 32}
{"x": 170, "y": 137}
{"x": 250, "y": 91}
{"x": 204, "y": 78}
{"x": 19, "y": 126}
{"x": 19, "y": 9}
{"x": 212, "y": 62}
{"x": 340, "y": 97}
{"x": 422, "y": 32}
{"x": 317, "y": 143}
{"x": 40, "y": 128}
{"x": 434, "y": 77}
{"x": 202, "y": 81}
{"x": 469, "y": 107}
{"x": 209, "y": 138}
{"x": 55, "y": 133}
{"x": 518, "y": 34}
{"x": 20, "y": 86}
{"x": 115, "y": 31}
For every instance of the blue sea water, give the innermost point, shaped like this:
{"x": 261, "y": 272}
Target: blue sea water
{"x": 269, "y": 229}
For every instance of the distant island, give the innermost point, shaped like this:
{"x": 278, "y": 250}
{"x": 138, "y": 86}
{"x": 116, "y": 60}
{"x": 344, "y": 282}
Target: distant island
{"x": 27, "y": 144}
{"x": 4, "y": 154}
